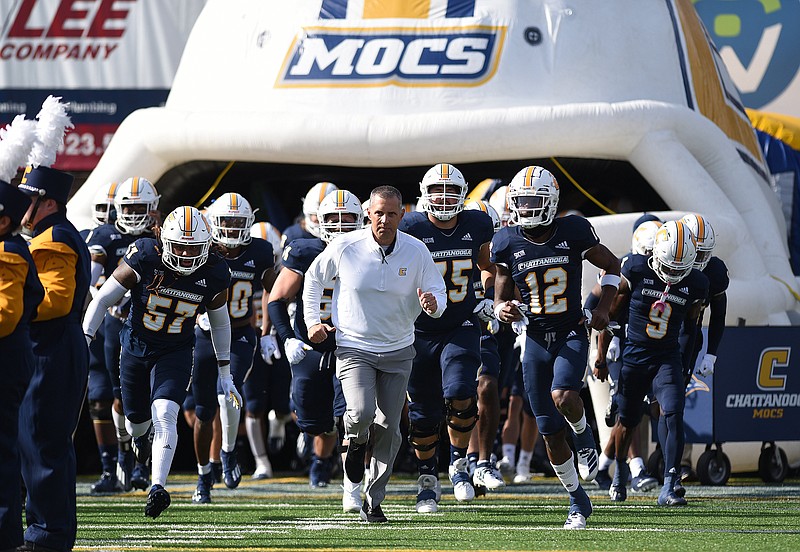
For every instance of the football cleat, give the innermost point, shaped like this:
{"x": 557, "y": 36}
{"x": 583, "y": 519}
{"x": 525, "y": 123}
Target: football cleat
{"x": 643, "y": 483}
{"x": 603, "y": 480}
{"x": 351, "y": 497}
{"x": 140, "y": 477}
{"x": 108, "y": 483}
{"x": 580, "y": 508}
{"x": 667, "y": 497}
{"x": 125, "y": 463}
{"x": 231, "y": 473}
{"x": 372, "y": 515}
{"x": 426, "y": 494}
{"x": 617, "y": 491}
{"x": 354, "y": 460}
{"x": 319, "y": 473}
{"x": 679, "y": 489}
{"x": 157, "y": 501}
{"x": 488, "y": 476}
{"x": 506, "y": 466}
{"x": 523, "y": 474}
{"x": 263, "y": 471}
{"x": 462, "y": 484}
{"x": 587, "y": 454}
{"x": 575, "y": 520}
{"x": 216, "y": 469}
{"x": 202, "y": 494}
{"x": 143, "y": 445}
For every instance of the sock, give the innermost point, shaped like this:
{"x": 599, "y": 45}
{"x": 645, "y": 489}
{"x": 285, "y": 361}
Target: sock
{"x": 204, "y": 470}
{"x": 567, "y": 474}
{"x": 108, "y": 457}
{"x": 348, "y": 486}
{"x": 670, "y": 434}
{"x": 637, "y": 466}
{"x": 229, "y": 418}
{"x": 604, "y": 462}
{"x": 165, "y": 438}
{"x": 473, "y": 459}
{"x": 429, "y": 466}
{"x": 510, "y": 452}
{"x": 457, "y": 453}
{"x": 524, "y": 462}
{"x": 119, "y": 424}
{"x": 579, "y": 426}
{"x": 256, "y": 434}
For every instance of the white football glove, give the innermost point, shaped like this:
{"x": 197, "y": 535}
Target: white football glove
{"x": 295, "y": 350}
{"x": 520, "y": 327}
{"x": 229, "y": 390}
{"x": 485, "y": 310}
{"x": 706, "y": 367}
{"x": 269, "y": 348}
{"x": 494, "y": 326}
{"x": 519, "y": 343}
{"x": 202, "y": 321}
{"x": 612, "y": 355}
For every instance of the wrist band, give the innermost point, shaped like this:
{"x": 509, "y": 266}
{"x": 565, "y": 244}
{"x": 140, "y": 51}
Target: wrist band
{"x": 610, "y": 280}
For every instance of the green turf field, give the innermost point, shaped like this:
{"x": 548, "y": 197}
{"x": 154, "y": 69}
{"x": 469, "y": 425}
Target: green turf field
{"x": 285, "y": 514}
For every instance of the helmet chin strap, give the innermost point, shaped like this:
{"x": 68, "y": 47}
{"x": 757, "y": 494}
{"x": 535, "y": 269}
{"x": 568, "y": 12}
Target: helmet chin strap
{"x": 29, "y": 226}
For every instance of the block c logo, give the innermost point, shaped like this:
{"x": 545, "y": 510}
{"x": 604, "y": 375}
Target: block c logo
{"x": 771, "y": 358}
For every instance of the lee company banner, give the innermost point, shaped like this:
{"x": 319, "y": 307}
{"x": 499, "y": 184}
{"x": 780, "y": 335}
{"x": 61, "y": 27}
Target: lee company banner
{"x": 106, "y": 57}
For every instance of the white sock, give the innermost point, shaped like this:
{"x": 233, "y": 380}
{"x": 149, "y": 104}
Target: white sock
{"x": 510, "y": 452}
{"x": 256, "y": 433}
{"x": 119, "y": 424}
{"x": 229, "y": 418}
{"x": 524, "y": 463}
{"x": 203, "y": 470}
{"x": 579, "y": 426}
{"x": 604, "y": 462}
{"x": 567, "y": 474}
{"x": 137, "y": 430}
{"x": 349, "y": 486}
{"x": 165, "y": 438}
{"x": 636, "y": 465}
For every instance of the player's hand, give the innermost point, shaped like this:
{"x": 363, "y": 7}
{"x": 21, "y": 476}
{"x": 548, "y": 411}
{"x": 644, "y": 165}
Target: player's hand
{"x": 612, "y": 355}
{"x": 295, "y": 350}
{"x": 597, "y": 319}
{"x": 319, "y": 332}
{"x": 427, "y": 301}
{"x": 706, "y": 367}
{"x": 229, "y": 391}
{"x": 485, "y": 310}
{"x": 203, "y": 323}
{"x": 508, "y": 311}
{"x": 269, "y": 348}
{"x": 600, "y": 370}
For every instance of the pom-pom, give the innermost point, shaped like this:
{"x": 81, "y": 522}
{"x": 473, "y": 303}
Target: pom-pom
{"x": 50, "y": 128}
{"x": 16, "y": 141}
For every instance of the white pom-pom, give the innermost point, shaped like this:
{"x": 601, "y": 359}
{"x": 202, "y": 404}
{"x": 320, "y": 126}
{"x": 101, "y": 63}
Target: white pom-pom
{"x": 16, "y": 141}
{"x": 52, "y": 123}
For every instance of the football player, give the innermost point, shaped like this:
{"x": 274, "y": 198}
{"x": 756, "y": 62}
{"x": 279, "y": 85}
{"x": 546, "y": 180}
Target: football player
{"x": 316, "y": 396}
{"x": 252, "y": 269}
{"x": 481, "y": 446}
{"x": 660, "y": 293}
{"x": 542, "y": 256}
{"x": 448, "y": 348}
{"x": 108, "y": 243}
{"x": 20, "y": 295}
{"x": 308, "y": 226}
{"x": 170, "y": 278}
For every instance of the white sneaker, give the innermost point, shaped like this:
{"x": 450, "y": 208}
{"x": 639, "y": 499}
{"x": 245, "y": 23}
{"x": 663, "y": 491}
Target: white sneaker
{"x": 263, "y": 469}
{"x": 506, "y": 466}
{"x": 523, "y": 475}
{"x": 488, "y": 477}
{"x": 462, "y": 484}
{"x": 575, "y": 520}
{"x": 427, "y": 494}
{"x": 351, "y": 497}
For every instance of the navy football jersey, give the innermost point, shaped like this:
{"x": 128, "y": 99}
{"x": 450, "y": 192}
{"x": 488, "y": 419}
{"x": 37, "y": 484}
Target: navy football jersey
{"x": 455, "y": 252}
{"x": 247, "y": 271}
{"x": 548, "y": 275}
{"x": 717, "y": 273}
{"x": 109, "y": 241}
{"x": 295, "y": 232}
{"x": 298, "y": 256}
{"x": 163, "y": 302}
{"x": 648, "y": 327}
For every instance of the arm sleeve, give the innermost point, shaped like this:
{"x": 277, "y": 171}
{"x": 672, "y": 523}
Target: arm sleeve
{"x": 716, "y": 322}
{"x": 321, "y": 272}
{"x": 108, "y": 296}
{"x": 279, "y": 316}
{"x": 220, "y": 332}
{"x": 97, "y": 271}
{"x": 13, "y": 271}
{"x": 55, "y": 262}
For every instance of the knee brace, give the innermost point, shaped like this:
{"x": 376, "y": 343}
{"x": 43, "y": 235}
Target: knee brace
{"x": 100, "y": 411}
{"x": 415, "y": 433}
{"x": 468, "y": 413}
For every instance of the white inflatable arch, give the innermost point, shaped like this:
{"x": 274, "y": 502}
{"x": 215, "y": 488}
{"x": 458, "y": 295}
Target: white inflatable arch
{"x": 383, "y": 83}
